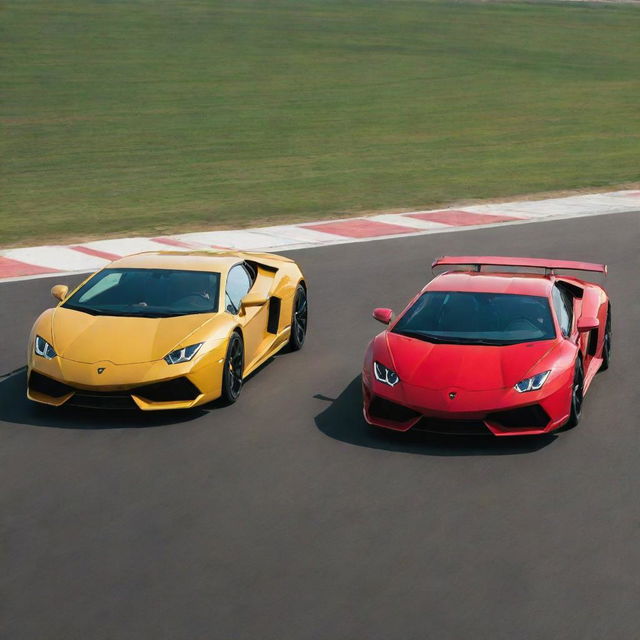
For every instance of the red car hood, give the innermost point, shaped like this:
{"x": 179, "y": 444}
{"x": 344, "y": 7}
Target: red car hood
{"x": 470, "y": 367}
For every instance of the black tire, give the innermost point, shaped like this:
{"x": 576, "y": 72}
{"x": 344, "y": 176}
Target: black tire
{"x": 233, "y": 369}
{"x": 299, "y": 319}
{"x": 606, "y": 347}
{"x": 577, "y": 396}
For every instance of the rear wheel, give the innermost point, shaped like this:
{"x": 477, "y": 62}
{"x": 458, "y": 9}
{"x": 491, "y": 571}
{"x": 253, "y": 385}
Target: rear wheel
{"x": 577, "y": 395}
{"x": 233, "y": 369}
{"x": 298, "y": 319}
{"x": 606, "y": 345}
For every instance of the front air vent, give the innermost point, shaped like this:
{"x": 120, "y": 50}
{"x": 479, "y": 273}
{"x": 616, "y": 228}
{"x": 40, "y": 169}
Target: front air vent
{"x": 387, "y": 410}
{"x": 592, "y": 345}
{"x": 452, "y": 427}
{"x": 531, "y": 417}
{"x": 48, "y": 386}
{"x": 274, "y": 315}
{"x": 176, "y": 390}
{"x": 107, "y": 400}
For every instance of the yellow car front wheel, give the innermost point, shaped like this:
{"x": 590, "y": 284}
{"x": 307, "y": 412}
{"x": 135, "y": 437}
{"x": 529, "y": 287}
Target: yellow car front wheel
{"x": 233, "y": 369}
{"x": 299, "y": 319}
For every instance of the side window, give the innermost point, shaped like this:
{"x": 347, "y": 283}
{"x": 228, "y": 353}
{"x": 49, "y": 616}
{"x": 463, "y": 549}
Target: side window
{"x": 239, "y": 281}
{"x": 563, "y": 305}
{"x": 568, "y": 303}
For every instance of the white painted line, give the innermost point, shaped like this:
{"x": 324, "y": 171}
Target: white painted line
{"x": 68, "y": 261}
{"x": 38, "y": 276}
{"x": 606, "y": 201}
{"x": 299, "y": 234}
{"x": 453, "y": 229}
{"x": 125, "y": 246}
{"x": 61, "y": 258}
{"x": 546, "y": 208}
{"x": 244, "y": 240}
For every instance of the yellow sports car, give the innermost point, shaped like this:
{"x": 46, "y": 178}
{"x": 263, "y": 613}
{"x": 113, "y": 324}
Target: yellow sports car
{"x": 166, "y": 330}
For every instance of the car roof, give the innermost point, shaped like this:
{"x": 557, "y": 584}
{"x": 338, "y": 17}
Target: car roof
{"x": 201, "y": 260}
{"x": 526, "y": 284}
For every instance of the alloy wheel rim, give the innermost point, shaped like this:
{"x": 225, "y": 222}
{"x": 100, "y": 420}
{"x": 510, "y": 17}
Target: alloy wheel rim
{"x": 607, "y": 340}
{"x": 235, "y": 368}
{"x": 300, "y": 317}
{"x": 577, "y": 393}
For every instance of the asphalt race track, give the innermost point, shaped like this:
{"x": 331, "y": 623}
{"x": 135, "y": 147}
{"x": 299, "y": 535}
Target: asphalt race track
{"x": 285, "y": 517}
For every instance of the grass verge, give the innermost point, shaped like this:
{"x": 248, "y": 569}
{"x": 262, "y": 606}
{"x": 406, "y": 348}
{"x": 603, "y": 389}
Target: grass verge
{"x": 127, "y": 117}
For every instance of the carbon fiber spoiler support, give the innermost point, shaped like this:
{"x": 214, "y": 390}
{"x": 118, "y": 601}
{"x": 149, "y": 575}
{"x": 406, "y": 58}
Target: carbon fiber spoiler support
{"x": 549, "y": 266}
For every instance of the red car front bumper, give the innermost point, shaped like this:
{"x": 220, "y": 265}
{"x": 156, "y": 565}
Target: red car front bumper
{"x": 502, "y": 412}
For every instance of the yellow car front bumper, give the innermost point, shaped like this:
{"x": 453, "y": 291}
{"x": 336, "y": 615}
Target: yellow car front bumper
{"x": 148, "y": 386}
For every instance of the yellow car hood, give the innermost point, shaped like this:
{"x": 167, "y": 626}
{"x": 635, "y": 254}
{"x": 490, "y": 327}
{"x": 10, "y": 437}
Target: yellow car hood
{"x": 121, "y": 340}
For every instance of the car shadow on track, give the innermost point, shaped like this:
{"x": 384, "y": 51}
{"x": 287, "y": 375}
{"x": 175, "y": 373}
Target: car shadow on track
{"x": 343, "y": 420}
{"x": 16, "y": 408}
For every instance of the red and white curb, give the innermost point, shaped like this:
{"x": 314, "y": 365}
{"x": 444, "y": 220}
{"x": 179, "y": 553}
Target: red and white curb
{"x": 34, "y": 262}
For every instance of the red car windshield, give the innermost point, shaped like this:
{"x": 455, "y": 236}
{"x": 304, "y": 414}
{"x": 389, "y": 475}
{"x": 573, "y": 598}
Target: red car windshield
{"x": 462, "y": 317}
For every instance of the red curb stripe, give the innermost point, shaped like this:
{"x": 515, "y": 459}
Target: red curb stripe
{"x": 96, "y": 253}
{"x": 177, "y": 243}
{"x": 14, "y": 268}
{"x": 460, "y": 218}
{"x": 359, "y": 228}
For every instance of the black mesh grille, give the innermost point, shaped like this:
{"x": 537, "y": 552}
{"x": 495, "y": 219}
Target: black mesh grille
{"x": 533, "y": 416}
{"x": 48, "y": 386}
{"x": 386, "y": 410}
{"x": 177, "y": 390}
{"x": 116, "y": 400}
{"x": 453, "y": 427}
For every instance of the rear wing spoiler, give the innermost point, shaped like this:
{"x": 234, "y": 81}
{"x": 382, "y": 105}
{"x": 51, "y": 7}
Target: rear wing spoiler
{"x": 502, "y": 261}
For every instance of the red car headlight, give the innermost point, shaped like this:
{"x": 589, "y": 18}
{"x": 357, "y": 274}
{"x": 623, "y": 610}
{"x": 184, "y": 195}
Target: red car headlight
{"x": 533, "y": 383}
{"x": 385, "y": 375}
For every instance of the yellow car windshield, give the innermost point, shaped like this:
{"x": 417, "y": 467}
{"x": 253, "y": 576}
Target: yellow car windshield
{"x": 148, "y": 293}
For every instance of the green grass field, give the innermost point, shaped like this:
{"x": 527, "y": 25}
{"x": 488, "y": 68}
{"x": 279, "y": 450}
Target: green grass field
{"x": 151, "y": 116}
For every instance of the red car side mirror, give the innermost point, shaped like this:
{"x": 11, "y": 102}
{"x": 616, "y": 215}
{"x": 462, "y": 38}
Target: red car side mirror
{"x": 587, "y": 324}
{"x": 383, "y": 315}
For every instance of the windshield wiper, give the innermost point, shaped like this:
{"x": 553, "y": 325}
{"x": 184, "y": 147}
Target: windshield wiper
{"x": 427, "y": 337}
{"x": 487, "y": 342}
{"x": 154, "y": 314}
{"x": 90, "y": 310}
{"x": 124, "y": 314}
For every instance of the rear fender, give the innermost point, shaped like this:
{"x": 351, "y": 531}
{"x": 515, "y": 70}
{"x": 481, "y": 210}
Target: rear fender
{"x": 594, "y": 305}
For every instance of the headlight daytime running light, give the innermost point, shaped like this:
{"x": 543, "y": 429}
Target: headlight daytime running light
{"x": 533, "y": 383}
{"x": 385, "y": 375}
{"x": 43, "y": 349}
{"x": 183, "y": 354}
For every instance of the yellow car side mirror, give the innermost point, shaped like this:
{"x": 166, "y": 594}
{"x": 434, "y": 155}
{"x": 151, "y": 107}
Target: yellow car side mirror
{"x": 59, "y": 291}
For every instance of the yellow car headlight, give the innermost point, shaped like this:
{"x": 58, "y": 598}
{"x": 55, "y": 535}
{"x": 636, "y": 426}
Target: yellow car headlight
{"x": 184, "y": 354}
{"x": 43, "y": 349}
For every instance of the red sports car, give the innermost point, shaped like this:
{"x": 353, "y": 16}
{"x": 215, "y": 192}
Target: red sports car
{"x": 500, "y": 351}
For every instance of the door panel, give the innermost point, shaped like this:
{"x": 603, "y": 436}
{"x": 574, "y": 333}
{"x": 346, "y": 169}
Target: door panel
{"x": 254, "y": 328}
{"x": 261, "y": 338}
{"x": 253, "y": 320}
